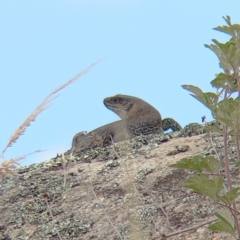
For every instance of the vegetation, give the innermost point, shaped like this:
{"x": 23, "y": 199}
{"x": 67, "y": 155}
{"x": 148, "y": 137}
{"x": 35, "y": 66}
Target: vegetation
{"x": 7, "y": 166}
{"x": 226, "y": 110}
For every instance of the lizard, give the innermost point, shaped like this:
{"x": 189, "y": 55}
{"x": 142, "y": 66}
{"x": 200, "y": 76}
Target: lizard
{"x": 125, "y": 108}
{"x": 137, "y": 118}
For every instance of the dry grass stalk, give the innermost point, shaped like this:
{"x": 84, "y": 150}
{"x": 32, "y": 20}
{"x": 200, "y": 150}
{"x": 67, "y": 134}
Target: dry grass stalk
{"x": 65, "y": 165}
{"x": 7, "y": 166}
{"x": 42, "y": 107}
{"x": 101, "y": 205}
{"x": 51, "y": 214}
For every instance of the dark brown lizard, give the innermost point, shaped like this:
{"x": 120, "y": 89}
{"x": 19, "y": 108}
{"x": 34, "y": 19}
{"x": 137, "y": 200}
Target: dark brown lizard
{"x": 138, "y": 118}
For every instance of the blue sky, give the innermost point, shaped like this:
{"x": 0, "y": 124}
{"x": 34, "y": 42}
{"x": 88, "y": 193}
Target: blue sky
{"x": 150, "y": 48}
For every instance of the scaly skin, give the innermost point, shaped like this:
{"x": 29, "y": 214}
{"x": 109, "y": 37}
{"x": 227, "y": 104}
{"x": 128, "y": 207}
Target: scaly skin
{"x": 131, "y": 107}
{"x": 169, "y": 123}
{"x": 138, "y": 118}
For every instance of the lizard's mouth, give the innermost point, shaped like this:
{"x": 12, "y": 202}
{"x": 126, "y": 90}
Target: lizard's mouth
{"x": 110, "y": 108}
{"x": 117, "y": 110}
{"x": 107, "y": 106}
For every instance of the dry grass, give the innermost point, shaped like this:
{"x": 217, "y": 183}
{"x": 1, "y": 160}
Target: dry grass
{"x": 7, "y": 166}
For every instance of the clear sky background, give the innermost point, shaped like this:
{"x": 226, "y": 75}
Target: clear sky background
{"x": 150, "y": 48}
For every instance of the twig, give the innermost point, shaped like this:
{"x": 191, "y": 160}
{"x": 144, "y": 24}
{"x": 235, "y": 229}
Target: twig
{"x": 169, "y": 225}
{"x": 230, "y": 208}
{"x": 191, "y": 228}
{"x": 227, "y": 168}
{"x": 215, "y": 150}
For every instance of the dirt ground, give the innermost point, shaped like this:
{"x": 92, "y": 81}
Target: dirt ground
{"x": 131, "y": 194}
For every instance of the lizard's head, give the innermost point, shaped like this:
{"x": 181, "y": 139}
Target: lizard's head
{"x": 128, "y": 107}
{"x": 120, "y": 104}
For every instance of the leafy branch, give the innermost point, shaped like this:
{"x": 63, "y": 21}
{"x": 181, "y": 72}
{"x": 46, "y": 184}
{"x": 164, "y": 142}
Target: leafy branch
{"x": 226, "y": 111}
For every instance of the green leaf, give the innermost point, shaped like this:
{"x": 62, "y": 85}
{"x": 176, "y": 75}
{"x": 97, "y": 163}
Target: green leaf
{"x": 214, "y": 48}
{"x": 226, "y": 216}
{"x": 224, "y": 111}
{"x": 209, "y": 188}
{"x": 227, "y": 222}
{"x": 211, "y": 164}
{"x": 222, "y": 227}
{"x": 231, "y": 196}
{"x": 219, "y": 50}
{"x": 226, "y": 52}
{"x": 224, "y": 29}
{"x": 208, "y": 99}
{"x": 228, "y": 20}
{"x": 225, "y": 121}
{"x": 191, "y": 164}
{"x": 222, "y": 80}
{"x": 231, "y": 29}
{"x": 228, "y": 112}
{"x": 236, "y": 28}
{"x": 198, "y": 164}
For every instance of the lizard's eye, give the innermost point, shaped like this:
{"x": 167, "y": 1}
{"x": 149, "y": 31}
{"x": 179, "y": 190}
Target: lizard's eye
{"x": 115, "y": 100}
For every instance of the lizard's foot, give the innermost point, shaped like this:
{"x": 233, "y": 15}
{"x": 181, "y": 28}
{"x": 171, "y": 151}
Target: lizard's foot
{"x": 169, "y": 123}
